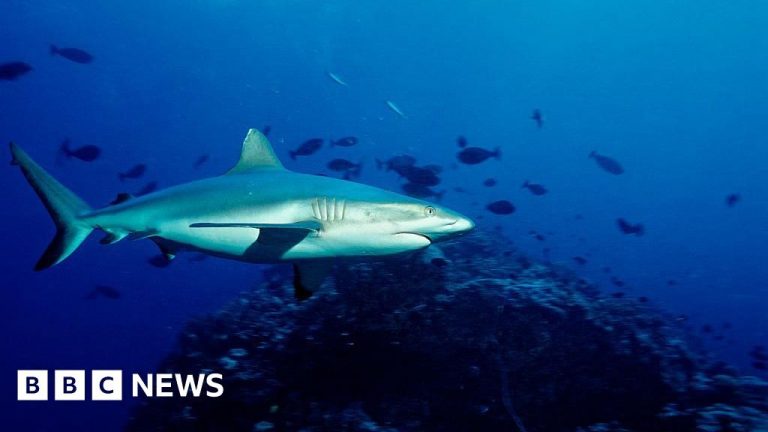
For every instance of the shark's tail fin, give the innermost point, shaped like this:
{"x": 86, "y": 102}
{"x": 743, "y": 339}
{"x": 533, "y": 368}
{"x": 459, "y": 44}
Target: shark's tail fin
{"x": 63, "y": 205}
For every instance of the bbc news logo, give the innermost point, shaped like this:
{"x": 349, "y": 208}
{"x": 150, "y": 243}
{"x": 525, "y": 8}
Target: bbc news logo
{"x": 107, "y": 385}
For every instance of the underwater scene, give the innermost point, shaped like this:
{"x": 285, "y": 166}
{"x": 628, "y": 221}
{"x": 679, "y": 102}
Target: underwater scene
{"x": 336, "y": 215}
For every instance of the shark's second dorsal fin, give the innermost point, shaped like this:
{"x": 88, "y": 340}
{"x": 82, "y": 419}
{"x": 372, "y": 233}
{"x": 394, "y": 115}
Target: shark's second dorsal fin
{"x": 257, "y": 153}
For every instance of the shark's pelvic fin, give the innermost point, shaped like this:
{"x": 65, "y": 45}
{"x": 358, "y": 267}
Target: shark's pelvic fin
{"x": 308, "y": 276}
{"x": 257, "y": 153}
{"x": 63, "y": 205}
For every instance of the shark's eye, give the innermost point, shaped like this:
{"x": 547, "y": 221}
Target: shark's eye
{"x": 430, "y": 211}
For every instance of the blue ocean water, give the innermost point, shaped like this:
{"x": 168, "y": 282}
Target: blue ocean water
{"x": 675, "y": 91}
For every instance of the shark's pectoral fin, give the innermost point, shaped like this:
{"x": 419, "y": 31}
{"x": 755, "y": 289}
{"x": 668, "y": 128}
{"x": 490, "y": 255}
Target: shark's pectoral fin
{"x": 308, "y": 276}
{"x": 310, "y": 225}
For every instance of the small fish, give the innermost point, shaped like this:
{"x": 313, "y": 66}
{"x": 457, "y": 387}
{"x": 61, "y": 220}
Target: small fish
{"x": 421, "y": 191}
{"x": 732, "y": 199}
{"x": 336, "y": 78}
{"x": 397, "y": 164}
{"x": 103, "y": 291}
{"x": 671, "y": 282}
{"x": 11, "y": 71}
{"x": 617, "y": 282}
{"x": 476, "y": 155}
{"x": 628, "y": 228}
{"x": 461, "y": 141}
{"x": 159, "y": 261}
{"x": 72, "y": 54}
{"x": 537, "y": 117}
{"x": 489, "y": 182}
{"x": 617, "y": 294}
{"x": 344, "y": 142}
{"x": 200, "y": 161}
{"x": 422, "y": 176}
{"x": 536, "y": 235}
{"x": 535, "y": 189}
{"x": 579, "y": 260}
{"x": 607, "y": 164}
{"x": 266, "y": 130}
{"x": 642, "y": 299}
{"x": 349, "y": 168}
{"x": 760, "y": 365}
{"x": 396, "y": 109}
{"x": 135, "y": 172}
{"x": 681, "y": 318}
{"x": 706, "y": 328}
{"x": 147, "y": 189}
{"x": 88, "y": 153}
{"x": 501, "y": 207}
{"x": 307, "y": 148}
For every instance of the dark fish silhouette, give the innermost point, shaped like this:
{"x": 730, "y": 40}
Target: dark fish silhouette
{"x": 147, "y": 189}
{"x": 760, "y": 365}
{"x": 307, "y": 148}
{"x": 617, "y": 282}
{"x": 136, "y": 171}
{"x": 421, "y": 191}
{"x": 461, "y": 141}
{"x": 617, "y": 294}
{"x": 349, "y": 168}
{"x": 422, "y": 176}
{"x": 103, "y": 291}
{"x": 200, "y": 161}
{"x": 706, "y": 328}
{"x": 266, "y": 130}
{"x": 538, "y": 236}
{"x": 397, "y": 164}
{"x": 607, "y": 164}
{"x": 476, "y": 155}
{"x": 732, "y": 199}
{"x": 344, "y": 142}
{"x": 11, "y": 71}
{"x": 642, "y": 299}
{"x": 536, "y": 116}
{"x": 671, "y": 282}
{"x": 88, "y": 153}
{"x": 580, "y": 260}
{"x": 72, "y": 54}
{"x": 489, "y": 182}
{"x": 535, "y": 189}
{"x": 501, "y": 207}
{"x": 628, "y": 228}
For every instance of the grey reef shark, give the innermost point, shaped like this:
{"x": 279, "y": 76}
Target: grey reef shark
{"x": 257, "y": 212}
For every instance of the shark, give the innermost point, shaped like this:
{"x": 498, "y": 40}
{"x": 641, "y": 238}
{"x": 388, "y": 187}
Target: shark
{"x": 257, "y": 212}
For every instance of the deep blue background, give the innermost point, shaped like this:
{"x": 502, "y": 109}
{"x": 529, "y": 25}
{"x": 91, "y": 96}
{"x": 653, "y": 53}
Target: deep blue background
{"x": 676, "y": 90}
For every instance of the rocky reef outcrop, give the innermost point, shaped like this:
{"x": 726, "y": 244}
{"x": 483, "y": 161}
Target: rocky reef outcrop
{"x": 481, "y": 338}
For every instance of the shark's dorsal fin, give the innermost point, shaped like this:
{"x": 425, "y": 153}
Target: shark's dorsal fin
{"x": 257, "y": 153}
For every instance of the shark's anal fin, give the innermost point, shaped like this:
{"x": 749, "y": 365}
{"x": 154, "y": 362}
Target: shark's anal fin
{"x": 257, "y": 153}
{"x": 308, "y": 276}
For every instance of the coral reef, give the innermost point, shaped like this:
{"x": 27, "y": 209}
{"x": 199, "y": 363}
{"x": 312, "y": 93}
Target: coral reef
{"x": 486, "y": 340}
